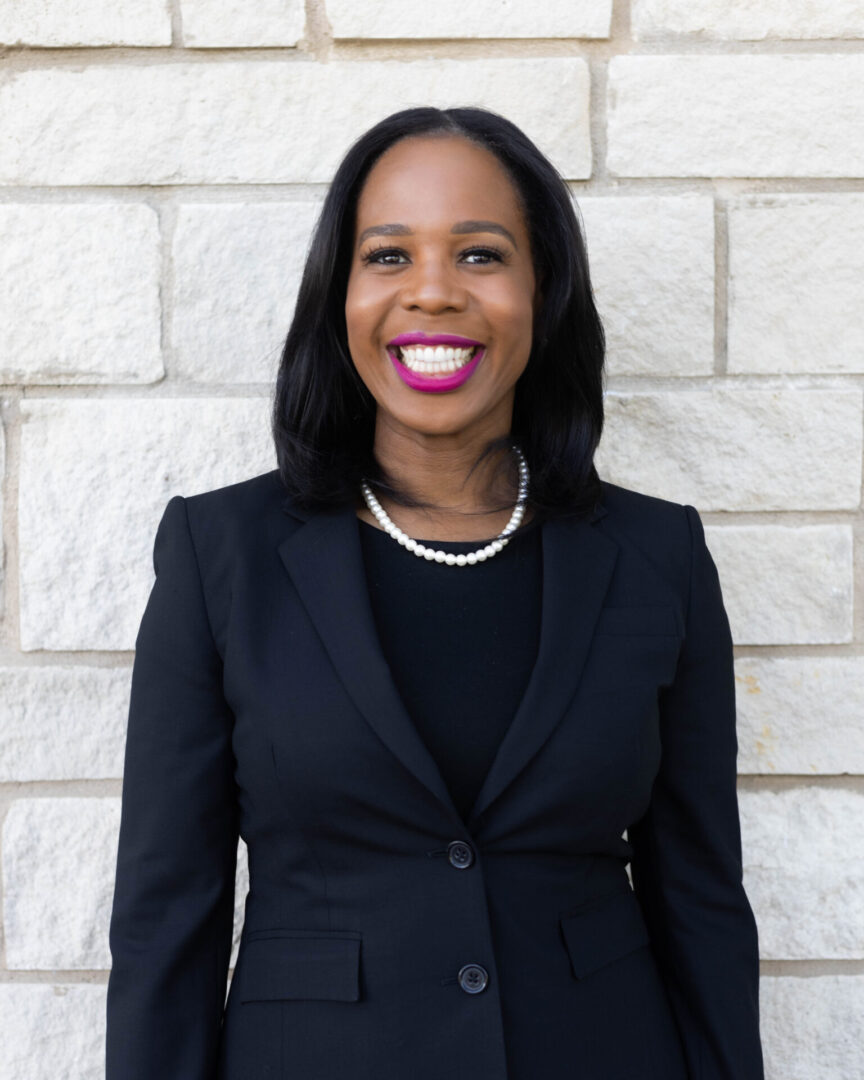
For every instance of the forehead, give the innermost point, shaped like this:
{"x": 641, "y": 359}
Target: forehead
{"x": 436, "y": 179}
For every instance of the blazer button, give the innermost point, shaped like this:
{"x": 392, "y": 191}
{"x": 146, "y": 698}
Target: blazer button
{"x": 460, "y": 854}
{"x": 473, "y": 978}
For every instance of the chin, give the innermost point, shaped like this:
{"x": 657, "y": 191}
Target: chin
{"x": 434, "y": 418}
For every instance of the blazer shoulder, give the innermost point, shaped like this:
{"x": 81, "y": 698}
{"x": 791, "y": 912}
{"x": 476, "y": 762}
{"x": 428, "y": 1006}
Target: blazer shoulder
{"x": 244, "y": 500}
{"x": 660, "y": 528}
{"x": 260, "y": 492}
{"x": 639, "y": 508}
{"x": 226, "y": 519}
{"x": 232, "y": 525}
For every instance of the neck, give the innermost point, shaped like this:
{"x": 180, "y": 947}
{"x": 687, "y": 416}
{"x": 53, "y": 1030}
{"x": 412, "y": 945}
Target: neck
{"x": 435, "y": 469}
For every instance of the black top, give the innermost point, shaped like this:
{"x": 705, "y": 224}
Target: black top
{"x": 460, "y": 641}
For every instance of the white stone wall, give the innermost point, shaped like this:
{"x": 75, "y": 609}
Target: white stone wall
{"x": 161, "y": 165}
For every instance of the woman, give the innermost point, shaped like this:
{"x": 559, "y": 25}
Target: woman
{"x": 431, "y": 669}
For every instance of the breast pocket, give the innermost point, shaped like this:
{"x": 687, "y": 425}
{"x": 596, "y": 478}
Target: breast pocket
{"x": 283, "y": 964}
{"x": 651, "y": 620}
{"x": 634, "y": 651}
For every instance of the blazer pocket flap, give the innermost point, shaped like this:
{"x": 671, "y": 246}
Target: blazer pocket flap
{"x": 597, "y": 935}
{"x": 315, "y": 965}
{"x": 652, "y": 619}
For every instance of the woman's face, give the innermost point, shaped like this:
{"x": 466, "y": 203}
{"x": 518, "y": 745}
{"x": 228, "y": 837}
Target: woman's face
{"x": 441, "y": 253}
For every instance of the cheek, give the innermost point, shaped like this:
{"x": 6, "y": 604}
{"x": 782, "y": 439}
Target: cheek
{"x": 361, "y": 317}
{"x": 514, "y": 317}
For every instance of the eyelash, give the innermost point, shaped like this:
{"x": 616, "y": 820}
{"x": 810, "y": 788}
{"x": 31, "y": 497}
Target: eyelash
{"x": 487, "y": 249}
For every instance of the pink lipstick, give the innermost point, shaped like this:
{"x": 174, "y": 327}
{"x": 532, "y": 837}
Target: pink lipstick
{"x": 438, "y": 383}
{"x": 419, "y": 338}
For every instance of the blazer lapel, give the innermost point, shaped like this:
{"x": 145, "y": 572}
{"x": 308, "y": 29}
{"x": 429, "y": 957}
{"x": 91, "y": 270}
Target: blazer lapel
{"x": 577, "y": 569}
{"x": 325, "y": 561}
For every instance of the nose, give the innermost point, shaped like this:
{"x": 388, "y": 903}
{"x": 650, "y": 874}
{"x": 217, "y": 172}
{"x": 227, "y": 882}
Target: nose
{"x": 432, "y": 286}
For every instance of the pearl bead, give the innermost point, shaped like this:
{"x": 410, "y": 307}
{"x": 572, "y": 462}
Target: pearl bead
{"x": 449, "y": 558}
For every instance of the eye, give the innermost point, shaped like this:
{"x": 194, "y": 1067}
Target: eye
{"x": 382, "y": 255}
{"x": 378, "y": 254}
{"x": 491, "y": 253}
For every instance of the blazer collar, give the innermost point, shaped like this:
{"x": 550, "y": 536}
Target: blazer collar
{"x": 325, "y": 561}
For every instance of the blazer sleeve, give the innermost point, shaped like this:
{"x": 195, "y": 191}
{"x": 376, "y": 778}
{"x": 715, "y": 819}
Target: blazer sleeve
{"x": 686, "y": 863}
{"x": 172, "y": 916}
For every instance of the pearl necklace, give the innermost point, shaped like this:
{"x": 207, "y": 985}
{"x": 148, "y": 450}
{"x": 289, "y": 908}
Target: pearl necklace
{"x": 448, "y": 557}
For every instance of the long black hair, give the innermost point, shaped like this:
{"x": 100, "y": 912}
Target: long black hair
{"x": 323, "y": 416}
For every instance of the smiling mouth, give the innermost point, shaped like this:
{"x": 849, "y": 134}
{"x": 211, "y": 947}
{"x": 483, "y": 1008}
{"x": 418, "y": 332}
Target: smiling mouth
{"x": 434, "y": 359}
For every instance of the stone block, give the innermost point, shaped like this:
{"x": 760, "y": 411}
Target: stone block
{"x": 52, "y": 1031}
{"x": 804, "y": 871}
{"x": 796, "y": 263}
{"x": 84, "y": 22}
{"x": 86, "y": 529}
{"x": 239, "y": 24}
{"x": 80, "y": 302}
{"x": 652, "y": 270}
{"x": 737, "y": 449}
{"x": 800, "y": 715}
{"x": 748, "y": 115}
{"x": 64, "y": 722}
{"x": 237, "y": 269}
{"x": 785, "y": 584}
{"x": 257, "y": 121}
{"x": 59, "y": 856}
{"x": 811, "y": 1026}
{"x": 482, "y": 19}
{"x": 751, "y": 20}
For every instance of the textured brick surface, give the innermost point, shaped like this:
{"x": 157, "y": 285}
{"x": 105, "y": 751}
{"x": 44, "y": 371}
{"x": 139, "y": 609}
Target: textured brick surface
{"x": 52, "y": 1030}
{"x": 804, "y": 871}
{"x": 768, "y": 572}
{"x": 243, "y": 121}
{"x": 237, "y": 269}
{"x": 64, "y": 722}
{"x": 749, "y": 20}
{"x": 85, "y": 22}
{"x": 811, "y": 1026}
{"x": 86, "y": 531}
{"x": 80, "y": 297}
{"x": 652, "y": 268}
{"x": 58, "y": 863}
{"x": 800, "y": 714}
{"x": 224, "y": 23}
{"x": 796, "y": 263}
{"x": 742, "y": 115}
{"x": 480, "y": 19}
{"x": 726, "y": 449}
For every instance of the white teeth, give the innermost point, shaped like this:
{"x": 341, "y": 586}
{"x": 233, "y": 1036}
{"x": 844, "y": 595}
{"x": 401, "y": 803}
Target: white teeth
{"x": 431, "y": 359}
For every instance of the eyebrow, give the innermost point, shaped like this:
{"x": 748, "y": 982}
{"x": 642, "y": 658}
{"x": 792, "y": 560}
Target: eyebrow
{"x": 459, "y": 228}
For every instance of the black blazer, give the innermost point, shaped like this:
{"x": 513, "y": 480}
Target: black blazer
{"x": 384, "y": 936}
